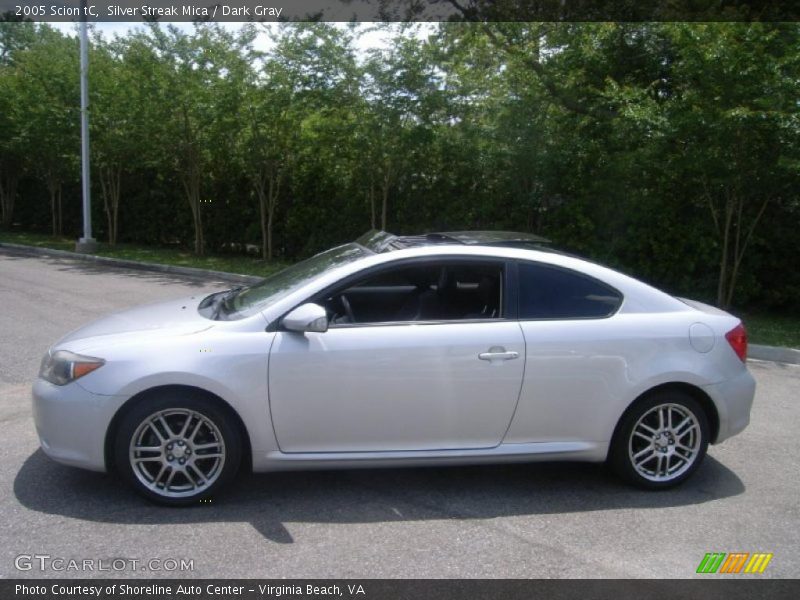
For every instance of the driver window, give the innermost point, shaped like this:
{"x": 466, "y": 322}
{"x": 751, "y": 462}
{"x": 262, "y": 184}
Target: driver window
{"x": 429, "y": 292}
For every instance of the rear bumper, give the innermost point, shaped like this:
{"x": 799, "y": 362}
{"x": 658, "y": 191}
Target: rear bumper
{"x": 72, "y": 423}
{"x": 733, "y": 399}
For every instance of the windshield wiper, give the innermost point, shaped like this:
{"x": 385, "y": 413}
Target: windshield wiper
{"x": 222, "y": 300}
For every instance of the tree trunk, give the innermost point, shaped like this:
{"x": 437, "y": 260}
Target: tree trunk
{"x": 60, "y": 212}
{"x": 269, "y": 235}
{"x": 110, "y": 184}
{"x": 735, "y": 241}
{"x": 274, "y": 194}
{"x": 268, "y": 189}
{"x": 116, "y": 190}
{"x": 384, "y": 200}
{"x": 191, "y": 186}
{"x": 199, "y": 240}
{"x": 54, "y": 188}
{"x": 262, "y": 209}
{"x": 116, "y": 217}
{"x": 738, "y": 203}
{"x": 8, "y": 193}
{"x": 270, "y": 214}
{"x": 740, "y": 249}
{"x": 722, "y": 282}
{"x": 191, "y": 177}
{"x": 53, "y": 210}
{"x": 371, "y": 203}
{"x": 106, "y": 203}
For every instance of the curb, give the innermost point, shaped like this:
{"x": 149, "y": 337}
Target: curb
{"x": 136, "y": 265}
{"x": 774, "y": 354}
{"x": 755, "y": 351}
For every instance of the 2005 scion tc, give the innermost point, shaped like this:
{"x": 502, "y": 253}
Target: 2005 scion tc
{"x": 438, "y": 349}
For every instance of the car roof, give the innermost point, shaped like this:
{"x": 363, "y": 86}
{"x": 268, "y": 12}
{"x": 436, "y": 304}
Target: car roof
{"x": 383, "y": 241}
{"x": 494, "y": 237}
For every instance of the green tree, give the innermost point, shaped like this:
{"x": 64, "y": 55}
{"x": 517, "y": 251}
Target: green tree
{"x": 402, "y": 97}
{"x": 48, "y": 112}
{"x": 14, "y": 38}
{"x": 116, "y": 126}
{"x": 198, "y": 85}
{"x": 308, "y": 87}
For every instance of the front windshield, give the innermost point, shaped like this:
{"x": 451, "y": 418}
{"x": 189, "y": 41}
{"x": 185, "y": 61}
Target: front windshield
{"x": 281, "y": 284}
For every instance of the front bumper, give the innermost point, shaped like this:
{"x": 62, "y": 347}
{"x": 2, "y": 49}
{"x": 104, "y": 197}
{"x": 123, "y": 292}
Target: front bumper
{"x": 72, "y": 423}
{"x": 733, "y": 399}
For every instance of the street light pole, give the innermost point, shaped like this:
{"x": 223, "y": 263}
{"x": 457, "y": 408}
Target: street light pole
{"x": 86, "y": 243}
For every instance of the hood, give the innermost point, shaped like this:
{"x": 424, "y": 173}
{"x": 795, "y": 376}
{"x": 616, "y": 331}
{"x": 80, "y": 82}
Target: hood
{"x": 174, "y": 317}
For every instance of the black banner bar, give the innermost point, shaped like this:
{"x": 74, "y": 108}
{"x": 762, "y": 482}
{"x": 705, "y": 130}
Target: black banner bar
{"x": 399, "y": 10}
{"x": 741, "y": 588}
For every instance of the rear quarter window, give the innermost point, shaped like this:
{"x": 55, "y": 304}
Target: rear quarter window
{"x": 548, "y": 292}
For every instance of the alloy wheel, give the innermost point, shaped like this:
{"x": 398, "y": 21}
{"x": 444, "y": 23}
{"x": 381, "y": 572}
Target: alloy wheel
{"x": 177, "y": 452}
{"x": 665, "y": 442}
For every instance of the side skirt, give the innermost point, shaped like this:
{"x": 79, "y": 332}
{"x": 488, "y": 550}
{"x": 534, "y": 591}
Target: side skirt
{"x": 504, "y": 453}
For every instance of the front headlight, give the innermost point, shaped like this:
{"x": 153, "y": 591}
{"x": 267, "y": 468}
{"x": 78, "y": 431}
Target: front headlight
{"x": 63, "y": 366}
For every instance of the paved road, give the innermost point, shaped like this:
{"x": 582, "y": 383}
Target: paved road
{"x": 508, "y": 521}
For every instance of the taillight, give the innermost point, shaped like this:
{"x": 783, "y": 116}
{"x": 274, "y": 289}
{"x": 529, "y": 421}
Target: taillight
{"x": 737, "y": 338}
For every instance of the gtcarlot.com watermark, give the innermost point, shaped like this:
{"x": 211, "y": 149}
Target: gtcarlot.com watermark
{"x": 58, "y": 564}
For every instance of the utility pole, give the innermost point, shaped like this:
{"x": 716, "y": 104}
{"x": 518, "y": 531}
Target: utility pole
{"x": 87, "y": 243}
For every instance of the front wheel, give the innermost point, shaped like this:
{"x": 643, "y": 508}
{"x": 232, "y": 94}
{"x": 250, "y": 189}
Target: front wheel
{"x": 177, "y": 449}
{"x": 661, "y": 441}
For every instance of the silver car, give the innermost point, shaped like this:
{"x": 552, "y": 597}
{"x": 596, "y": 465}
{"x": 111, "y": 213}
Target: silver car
{"x": 441, "y": 349}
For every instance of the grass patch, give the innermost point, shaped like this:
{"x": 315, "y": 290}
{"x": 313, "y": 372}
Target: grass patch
{"x": 38, "y": 240}
{"x": 231, "y": 263}
{"x": 773, "y": 330}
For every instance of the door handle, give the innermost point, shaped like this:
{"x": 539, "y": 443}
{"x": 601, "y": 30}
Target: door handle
{"x": 498, "y": 353}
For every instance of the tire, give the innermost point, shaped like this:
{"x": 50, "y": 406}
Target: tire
{"x": 177, "y": 447}
{"x": 660, "y": 441}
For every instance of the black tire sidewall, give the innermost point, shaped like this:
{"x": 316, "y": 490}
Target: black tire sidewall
{"x": 618, "y": 455}
{"x": 170, "y": 400}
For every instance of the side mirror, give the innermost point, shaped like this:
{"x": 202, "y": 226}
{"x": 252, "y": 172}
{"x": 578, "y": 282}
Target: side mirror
{"x": 307, "y": 317}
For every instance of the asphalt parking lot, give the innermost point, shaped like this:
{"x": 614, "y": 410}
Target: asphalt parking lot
{"x": 523, "y": 521}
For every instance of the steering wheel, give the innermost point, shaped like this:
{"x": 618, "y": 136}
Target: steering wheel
{"x": 347, "y": 308}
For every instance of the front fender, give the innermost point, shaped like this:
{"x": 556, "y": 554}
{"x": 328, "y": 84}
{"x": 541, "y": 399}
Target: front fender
{"x": 230, "y": 365}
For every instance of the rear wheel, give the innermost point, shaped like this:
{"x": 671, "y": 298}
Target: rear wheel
{"x": 177, "y": 448}
{"x": 661, "y": 441}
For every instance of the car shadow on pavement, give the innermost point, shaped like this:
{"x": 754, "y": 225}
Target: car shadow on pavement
{"x": 267, "y": 501}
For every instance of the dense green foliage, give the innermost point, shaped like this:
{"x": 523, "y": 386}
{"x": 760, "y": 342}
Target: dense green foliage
{"x": 669, "y": 150}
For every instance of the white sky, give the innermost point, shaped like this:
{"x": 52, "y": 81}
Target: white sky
{"x": 370, "y": 37}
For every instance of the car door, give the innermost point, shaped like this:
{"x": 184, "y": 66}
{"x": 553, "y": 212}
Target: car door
{"x": 577, "y": 372}
{"x": 397, "y": 385}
